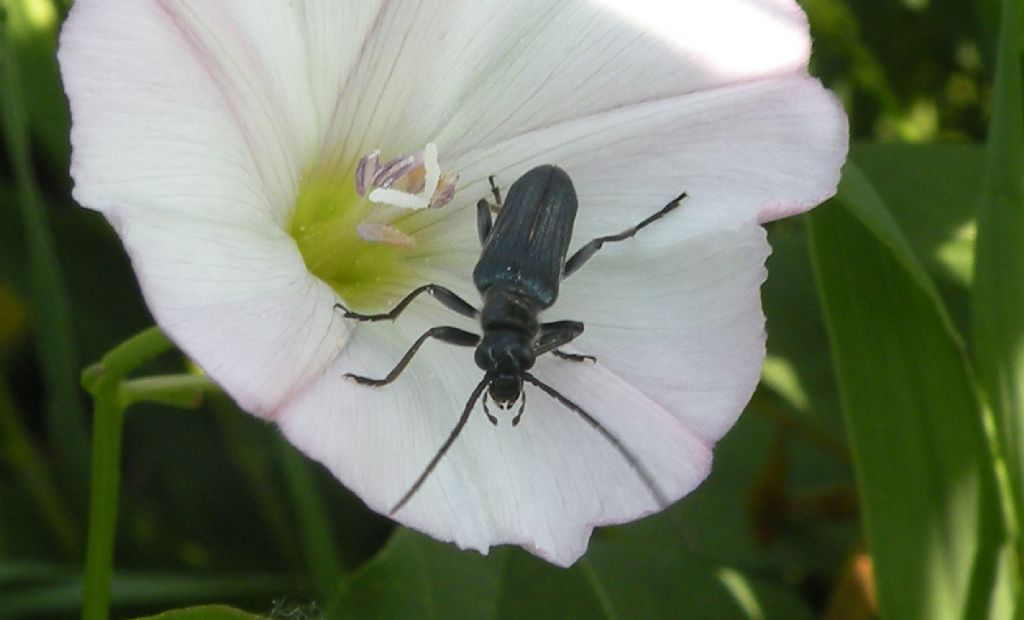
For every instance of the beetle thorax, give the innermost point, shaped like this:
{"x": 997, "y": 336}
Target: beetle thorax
{"x": 507, "y": 310}
{"x": 505, "y": 352}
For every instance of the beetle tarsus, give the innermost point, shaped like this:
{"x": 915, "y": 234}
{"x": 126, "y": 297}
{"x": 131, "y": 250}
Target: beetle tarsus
{"x": 495, "y": 191}
{"x": 574, "y": 357}
{"x": 361, "y": 380}
{"x": 585, "y": 253}
{"x": 348, "y": 314}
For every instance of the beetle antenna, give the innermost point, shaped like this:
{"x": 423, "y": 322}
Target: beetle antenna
{"x": 634, "y": 462}
{"x": 429, "y": 469}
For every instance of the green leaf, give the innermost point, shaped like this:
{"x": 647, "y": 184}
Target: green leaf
{"x": 644, "y": 570}
{"x": 46, "y": 590}
{"x": 206, "y": 612}
{"x": 997, "y": 300}
{"x": 416, "y": 577}
{"x": 932, "y": 191}
{"x": 930, "y": 506}
{"x": 650, "y": 570}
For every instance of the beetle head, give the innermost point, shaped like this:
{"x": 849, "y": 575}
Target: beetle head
{"x": 505, "y": 389}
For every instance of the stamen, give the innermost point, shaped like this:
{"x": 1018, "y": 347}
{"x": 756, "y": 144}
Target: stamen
{"x": 432, "y": 170}
{"x": 378, "y": 232}
{"x": 445, "y": 190}
{"x": 366, "y": 170}
{"x": 412, "y": 181}
{"x": 391, "y": 172}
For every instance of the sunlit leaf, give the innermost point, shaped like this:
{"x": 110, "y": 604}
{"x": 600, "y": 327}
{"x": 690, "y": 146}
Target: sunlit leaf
{"x": 932, "y": 192}
{"x": 997, "y": 301}
{"x": 32, "y": 29}
{"x": 928, "y": 498}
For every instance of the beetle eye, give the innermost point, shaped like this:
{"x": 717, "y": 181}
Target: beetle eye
{"x": 524, "y": 357}
{"x": 483, "y": 358}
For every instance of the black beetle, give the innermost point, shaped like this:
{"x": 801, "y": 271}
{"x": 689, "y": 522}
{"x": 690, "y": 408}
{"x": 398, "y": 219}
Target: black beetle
{"x": 518, "y": 274}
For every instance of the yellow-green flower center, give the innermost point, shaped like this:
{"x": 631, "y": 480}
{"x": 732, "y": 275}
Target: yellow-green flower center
{"x": 353, "y": 230}
{"x": 328, "y": 212}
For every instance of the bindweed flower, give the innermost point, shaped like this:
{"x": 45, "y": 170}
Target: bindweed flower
{"x": 265, "y": 160}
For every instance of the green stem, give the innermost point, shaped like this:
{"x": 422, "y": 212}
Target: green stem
{"x": 184, "y": 391}
{"x": 106, "y": 480}
{"x": 126, "y": 357}
{"x": 111, "y": 395}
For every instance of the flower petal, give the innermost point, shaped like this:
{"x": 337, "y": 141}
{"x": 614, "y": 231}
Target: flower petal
{"x": 754, "y": 150}
{"x": 227, "y": 96}
{"x": 681, "y": 323}
{"x": 241, "y": 303}
{"x": 195, "y": 163}
{"x": 146, "y": 123}
{"x": 473, "y": 74}
{"x": 543, "y": 484}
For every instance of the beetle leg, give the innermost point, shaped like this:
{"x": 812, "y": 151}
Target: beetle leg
{"x": 447, "y": 298}
{"x": 555, "y": 334}
{"x": 483, "y": 220}
{"x": 587, "y": 251}
{"x": 485, "y": 212}
{"x": 451, "y": 335}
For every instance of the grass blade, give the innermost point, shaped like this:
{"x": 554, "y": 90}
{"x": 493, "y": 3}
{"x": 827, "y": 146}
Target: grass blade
{"x": 932, "y": 513}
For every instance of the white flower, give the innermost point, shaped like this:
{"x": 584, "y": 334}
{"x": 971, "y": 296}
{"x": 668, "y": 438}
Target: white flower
{"x": 221, "y": 138}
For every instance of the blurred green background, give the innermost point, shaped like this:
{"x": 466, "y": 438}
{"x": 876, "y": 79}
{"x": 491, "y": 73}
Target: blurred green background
{"x": 215, "y": 508}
